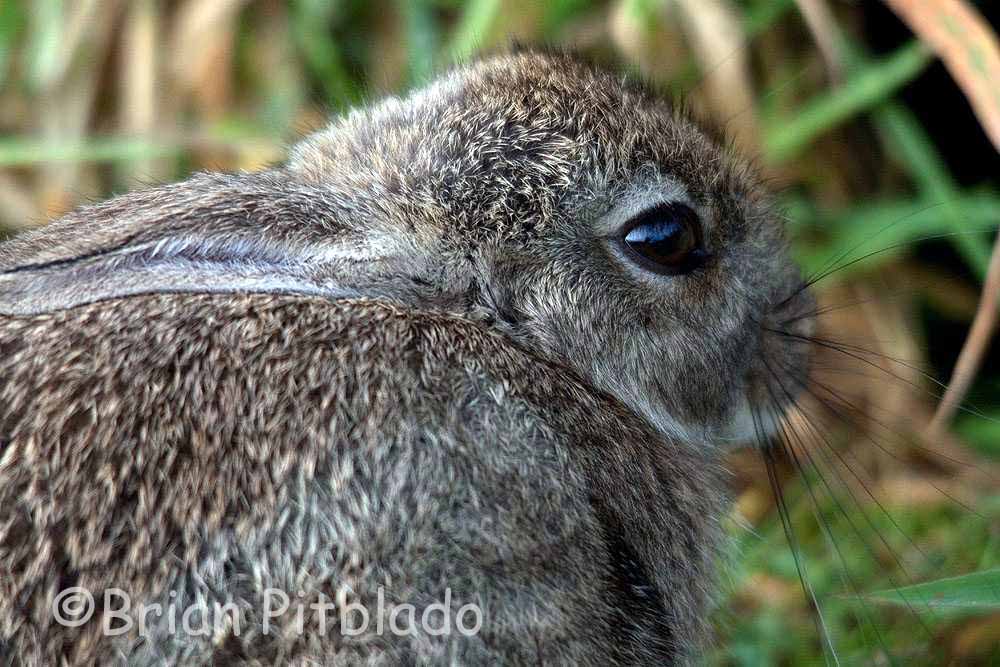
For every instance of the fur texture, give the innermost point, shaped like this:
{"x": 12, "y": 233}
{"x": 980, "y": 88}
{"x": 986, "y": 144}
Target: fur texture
{"x": 412, "y": 358}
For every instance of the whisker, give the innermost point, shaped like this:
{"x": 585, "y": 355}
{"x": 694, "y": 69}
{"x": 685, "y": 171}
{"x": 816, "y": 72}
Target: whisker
{"x": 824, "y": 441}
{"x": 893, "y": 294}
{"x": 824, "y": 273}
{"x": 770, "y": 464}
{"x": 910, "y": 444}
{"x": 788, "y": 443}
{"x": 846, "y": 578}
{"x": 824, "y": 310}
{"x": 808, "y": 388}
{"x": 832, "y": 345}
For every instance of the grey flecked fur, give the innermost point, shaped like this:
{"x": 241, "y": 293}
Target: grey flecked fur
{"x": 412, "y": 358}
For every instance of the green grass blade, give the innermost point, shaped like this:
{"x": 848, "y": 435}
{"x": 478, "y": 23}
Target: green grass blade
{"x": 982, "y": 434}
{"x": 763, "y": 15}
{"x": 43, "y": 43}
{"x": 869, "y": 85}
{"x": 477, "y": 19}
{"x": 976, "y": 592}
{"x": 914, "y": 150}
{"x": 895, "y": 224}
{"x": 21, "y": 152}
{"x": 422, "y": 39}
{"x": 310, "y": 21}
{"x": 12, "y": 22}
{"x": 560, "y": 12}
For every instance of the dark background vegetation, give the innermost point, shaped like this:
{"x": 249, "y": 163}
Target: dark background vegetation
{"x": 870, "y": 144}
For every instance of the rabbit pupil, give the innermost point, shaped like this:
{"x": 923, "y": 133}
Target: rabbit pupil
{"x": 666, "y": 239}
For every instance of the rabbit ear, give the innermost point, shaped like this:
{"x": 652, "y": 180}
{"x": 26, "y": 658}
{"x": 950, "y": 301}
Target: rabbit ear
{"x": 264, "y": 232}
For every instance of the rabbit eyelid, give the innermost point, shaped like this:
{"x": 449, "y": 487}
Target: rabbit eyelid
{"x": 635, "y": 199}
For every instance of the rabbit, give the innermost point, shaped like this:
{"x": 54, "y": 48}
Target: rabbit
{"x": 483, "y": 345}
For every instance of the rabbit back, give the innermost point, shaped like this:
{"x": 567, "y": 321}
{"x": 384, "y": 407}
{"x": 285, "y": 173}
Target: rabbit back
{"x": 195, "y": 447}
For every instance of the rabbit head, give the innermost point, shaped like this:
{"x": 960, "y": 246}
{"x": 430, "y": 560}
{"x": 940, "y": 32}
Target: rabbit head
{"x": 573, "y": 210}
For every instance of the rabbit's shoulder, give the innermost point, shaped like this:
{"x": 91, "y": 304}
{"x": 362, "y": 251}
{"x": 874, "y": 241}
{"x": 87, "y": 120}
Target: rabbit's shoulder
{"x": 194, "y": 440}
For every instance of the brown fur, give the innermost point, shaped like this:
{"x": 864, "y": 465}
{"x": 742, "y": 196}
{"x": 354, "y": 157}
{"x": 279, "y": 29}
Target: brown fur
{"x": 410, "y": 358}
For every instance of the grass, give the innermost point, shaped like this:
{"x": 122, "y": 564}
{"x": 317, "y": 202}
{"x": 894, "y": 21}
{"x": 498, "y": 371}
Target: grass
{"x": 869, "y": 85}
{"x": 76, "y": 126}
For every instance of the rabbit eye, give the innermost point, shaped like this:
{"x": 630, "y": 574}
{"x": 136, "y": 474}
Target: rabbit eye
{"x": 665, "y": 239}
